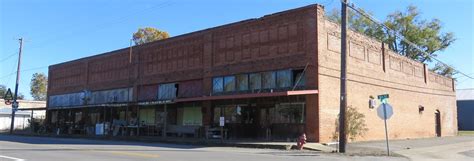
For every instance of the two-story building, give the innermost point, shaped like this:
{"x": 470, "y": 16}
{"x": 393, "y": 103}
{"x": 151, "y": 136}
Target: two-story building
{"x": 269, "y": 78}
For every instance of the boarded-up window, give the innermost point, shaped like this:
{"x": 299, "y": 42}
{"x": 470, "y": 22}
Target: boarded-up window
{"x": 255, "y": 81}
{"x": 167, "y": 91}
{"x": 242, "y": 82}
{"x": 147, "y": 116}
{"x": 217, "y": 84}
{"x": 192, "y": 116}
{"x": 190, "y": 89}
{"x": 284, "y": 78}
{"x": 147, "y": 93}
{"x": 229, "y": 83}
{"x": 269, "y": 80}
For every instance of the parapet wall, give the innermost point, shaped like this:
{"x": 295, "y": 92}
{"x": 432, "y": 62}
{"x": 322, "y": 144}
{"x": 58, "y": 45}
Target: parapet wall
{"x": 374, "y": 69}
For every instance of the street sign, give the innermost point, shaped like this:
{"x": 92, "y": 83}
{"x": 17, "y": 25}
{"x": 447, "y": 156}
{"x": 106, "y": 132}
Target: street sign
{"x": 388, "y": 111}
{"x": 383, "y": 98}
{"x": 15, "y": 105}
{"x": 8, "y": 95}
{"x": 221, "y": 121}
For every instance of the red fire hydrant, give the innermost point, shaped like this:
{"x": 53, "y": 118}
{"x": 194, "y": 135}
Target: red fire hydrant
{"x": 301, "y": 141}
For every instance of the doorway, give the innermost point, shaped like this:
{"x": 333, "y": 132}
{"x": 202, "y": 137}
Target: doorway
{"x": 438, "y": 123}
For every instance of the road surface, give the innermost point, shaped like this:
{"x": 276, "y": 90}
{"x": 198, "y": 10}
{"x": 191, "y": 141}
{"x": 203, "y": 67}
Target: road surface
{"x": 22, "y": 148}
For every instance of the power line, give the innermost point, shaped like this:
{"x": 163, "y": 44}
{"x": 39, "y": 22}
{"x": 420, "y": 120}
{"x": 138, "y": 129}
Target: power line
{"x": 391, "y": 31}
{"x": 101, "y": 26}
{"x": 8, "y": 57}
{"x": 29, "y": 69}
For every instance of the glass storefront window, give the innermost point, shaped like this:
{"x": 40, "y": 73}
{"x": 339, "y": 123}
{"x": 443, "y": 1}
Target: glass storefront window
{"x": 217, "y": 84}
{"x": 242, "y": 82}
{"x": 255, "y": 81}
{"x": 288, "y": 113}
{"x": 284, "y": 78}
{"x": 269, "y": 80}
{"x": 229, "y": 83}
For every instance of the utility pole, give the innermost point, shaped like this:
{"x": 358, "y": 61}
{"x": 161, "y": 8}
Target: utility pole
{"x": 343, "y": 99}
{"x": 15, "y": 103}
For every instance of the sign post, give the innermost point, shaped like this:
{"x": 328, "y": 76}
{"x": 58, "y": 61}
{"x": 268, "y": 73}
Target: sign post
{"x": 385, "y": 111}
{"x": 221, "y": 124}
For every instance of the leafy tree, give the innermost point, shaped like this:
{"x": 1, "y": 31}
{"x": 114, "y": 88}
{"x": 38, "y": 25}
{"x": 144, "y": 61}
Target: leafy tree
{"x": 3, "y": 90}
{"x": 148, "y": 34}
{"x": 39, "y": 86}
{"x": 426, "y": 34}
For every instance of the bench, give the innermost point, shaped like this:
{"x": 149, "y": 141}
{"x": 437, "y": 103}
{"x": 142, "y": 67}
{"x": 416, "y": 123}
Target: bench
{"x": 179, "y": 130}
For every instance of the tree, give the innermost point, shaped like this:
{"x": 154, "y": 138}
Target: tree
{"x": 39, "y": 86}
{"x": 148, "y": 34}
{"x": 3, "y": 90}
{"x": 426, "y": 34}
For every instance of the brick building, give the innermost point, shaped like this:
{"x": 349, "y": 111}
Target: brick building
{"x": 273, "y": 77}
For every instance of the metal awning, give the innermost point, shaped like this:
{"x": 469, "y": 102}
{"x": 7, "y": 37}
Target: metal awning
{"x": 249, "y": 95}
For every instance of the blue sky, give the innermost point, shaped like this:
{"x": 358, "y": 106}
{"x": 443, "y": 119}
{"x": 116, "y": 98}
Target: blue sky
{"x": 56, "y": 30}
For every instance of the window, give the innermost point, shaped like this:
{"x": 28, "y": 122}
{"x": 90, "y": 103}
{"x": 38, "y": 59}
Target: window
{"x": 284, "y": 78}
{"x": 299, "y": 78}
{"x": 288, "y": 113}
{"x": 218, "y": 84}
{"x": 255, "y": 81}
{"x": 192, "y": 116}
{"x": 147, "y": 116}
{"x": 242, "y": 82}
{"x": 167, "y": 91}
{"x": 269, "y": 80}
{"x": 229, "y": 83}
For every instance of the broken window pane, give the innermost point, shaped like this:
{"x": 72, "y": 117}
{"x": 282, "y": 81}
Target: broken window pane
{"x": 217, "y": 85}
{"x": 299, "y": 78}
{"x": 229, "y": 83}
{"x": 255, "y": 81}
{"x": 269, "y": 80}
{"x": 242, "y": 82}
{"x": 284, "y": 78}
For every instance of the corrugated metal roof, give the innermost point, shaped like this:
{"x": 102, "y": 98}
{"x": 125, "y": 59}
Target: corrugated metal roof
{"x": 465, "y": 94}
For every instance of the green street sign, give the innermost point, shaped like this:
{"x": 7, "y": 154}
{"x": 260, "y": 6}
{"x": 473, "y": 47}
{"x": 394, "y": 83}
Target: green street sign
{"x": 383, "y": 98}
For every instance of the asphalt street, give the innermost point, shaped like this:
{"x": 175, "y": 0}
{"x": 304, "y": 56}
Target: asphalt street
{"x": 22, "y": 148}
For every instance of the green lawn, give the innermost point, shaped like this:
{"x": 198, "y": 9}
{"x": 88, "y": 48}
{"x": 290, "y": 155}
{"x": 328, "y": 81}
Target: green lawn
{"x": 466, "y": 133}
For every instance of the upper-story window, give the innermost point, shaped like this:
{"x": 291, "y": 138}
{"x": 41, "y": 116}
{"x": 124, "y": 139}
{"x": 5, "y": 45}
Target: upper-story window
{"x": 229, "y": 83}
{"x": 269, "y": 80}
{"x": 167, "y": 91}
{"x": 284, "y": 78}
{"x": 242, "y": 81}
{"x": 218, "y": 84}
{"x": 299, "y": 78}
{"x": 255, "y": 81}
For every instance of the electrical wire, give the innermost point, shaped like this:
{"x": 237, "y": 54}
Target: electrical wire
{"x": 391, "y": 31}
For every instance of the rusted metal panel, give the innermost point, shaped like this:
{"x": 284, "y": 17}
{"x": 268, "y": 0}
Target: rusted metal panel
{"x": 189, "y": 89}
{"x": 148, "y": 93}
{"x": 111, "y": 96}
{"x": 167, "y": 91}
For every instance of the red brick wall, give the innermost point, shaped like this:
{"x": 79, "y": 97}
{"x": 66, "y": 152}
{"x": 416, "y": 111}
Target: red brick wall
{"x": 375, "y": 70}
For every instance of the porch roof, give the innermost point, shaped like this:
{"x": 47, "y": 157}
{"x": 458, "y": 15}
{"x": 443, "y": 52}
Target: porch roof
{"x": 249, "y": 95}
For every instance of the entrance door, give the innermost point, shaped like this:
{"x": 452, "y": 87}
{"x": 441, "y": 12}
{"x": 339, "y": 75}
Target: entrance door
{"x": 249, "y": 122}
{"x": 438, "y": 123}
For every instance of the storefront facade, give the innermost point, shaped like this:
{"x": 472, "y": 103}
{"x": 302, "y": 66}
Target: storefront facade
{"x": 270, "y": 78}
